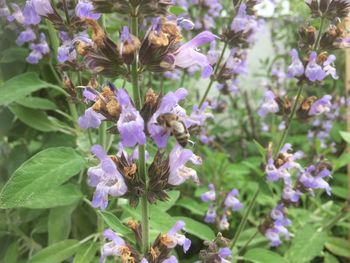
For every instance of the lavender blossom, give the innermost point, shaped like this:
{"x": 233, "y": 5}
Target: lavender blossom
{"x": 106, "y": 178}
{"x": 321, "y": 106}
{"x": 171, "y": 259}
{"x": 296, "y": 69}
{"x": 179, "y": 173}
{"x": 17, "y": 14}
{"x": 90, "y": 119}
{"x": 209, "y": 195}
{"x": 314, "y": 71}
{"x": 116, "y": 247}
{"x": 278, "y": 226}
{"x": 310, "y": 180}
{"x": 178, "y": 239}
{"x": 211, "y": 215}
{"x": 43, "y": 7}
{"x": 169, "y": 104}
{"x": 30, "y": 15}
{"x": 187, "y": 56}
{"x": 232, "y": 202}
{"x": 225, "y": 255}
{"x": 85, "y": 9}
{"x": 328, "y": 68}
{"x": 38, "y": 50}
{"x": 269, "y": 105}
{"x": 25, "y": 36}
{"x": 130, "y": 123}
{"x": 224, "y": 224}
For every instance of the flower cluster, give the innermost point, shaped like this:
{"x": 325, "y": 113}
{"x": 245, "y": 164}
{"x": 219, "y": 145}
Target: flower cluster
{"x": 216, "y": 250}
{"x": 297, "y": 181}
{"x": 159, "y": 251}
{"x": 28, "y": 19}
{"x": 230, "y": 203}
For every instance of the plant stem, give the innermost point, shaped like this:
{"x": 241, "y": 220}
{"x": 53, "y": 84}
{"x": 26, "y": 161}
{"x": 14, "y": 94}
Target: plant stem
{"x": 217, "y": 66}
{"x": 102, "y": 134}
{"x": 288, "y": 124}
{"x": 244, "y": 219}
{"x": 317, "y": 43}
{"x": 248, "y": 242}
{"x": 142, "y": 150}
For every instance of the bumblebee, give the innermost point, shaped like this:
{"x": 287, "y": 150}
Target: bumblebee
{"x": 177, "y": 127}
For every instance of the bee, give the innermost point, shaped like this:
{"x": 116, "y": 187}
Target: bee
{"x": 178, "y": 129}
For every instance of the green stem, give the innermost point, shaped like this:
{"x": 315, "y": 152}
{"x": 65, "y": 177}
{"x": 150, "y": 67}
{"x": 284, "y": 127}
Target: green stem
{"x": 217, "y": 66}
{"x": 102, "y": 134}
{"x": 142, "y": 149}
{"x": 244, "y": 219}
{"x": 320, "y": 30}
{"x": 289, "y": 121}
{"x": 248, "y": 242}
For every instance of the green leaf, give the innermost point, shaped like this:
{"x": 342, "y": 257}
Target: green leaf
{"x": 14, "y": 54}
{"x": 345, "y": 136}
{"x": 37, "y": 103}
{"x": 21, "y": 86}
{"x": 12, "y": 253}
{"x": 36, "y": 119}
{"x": 86, "y": 252}
{"x": 177, "y": 10}
{"x": 59, "y": 196}
{"x": 196, "y": 228}
{"x": 114, "y": 223}
{"x": 307, "y": 244}
{"x": 173, "y": 196}
{"x": 329, "y": 258}
{"x": 44, "y": 171}
{"x": 193, "y": 206}
{"x": 59, "y": 223}
{"x": 56, "y": 253}
{"x": 338, "y": 246}
{"x": 261, "y": 149}
{"x": 260, "y": 255}
{"x": 341, "y": 161}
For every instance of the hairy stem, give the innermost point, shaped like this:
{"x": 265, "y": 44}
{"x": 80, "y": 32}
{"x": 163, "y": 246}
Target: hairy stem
{"x": 142, "y": 149}
{"x": 212, "y": 79}
{"x": 245, "y": 218}
{"x": 289, "y": 121}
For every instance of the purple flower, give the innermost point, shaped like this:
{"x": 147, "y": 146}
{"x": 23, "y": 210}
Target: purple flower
{"x": 225, "y": 254}
{"x": 211, "y": 215}
{"x": 43, "y": 7}
{"x": 90, "y": 119}
{"x": 179, "y": 173}
{"x": 314, "y": 71}
{"x": 38, "y": 50}
{"x": 328, "y": 68}
{"x": 4, "y": 10}
{"x": 116, "y": 247}
{"x": 213, "y": 54}
{"x": 130, "y": 123}
{"x": 17, "y": 14}
{"x": 278, "y": 227}
{"x": 67, "y": 52}
{"x": 290, "y": 194}
{"x": 269, "y": 105}
{"x": 296, "y": 69}
{"x": 30, "y": 15}
{"x": 232, "y": 202}
{"x": 187, "y": 55}
{"x": 85, "y": 9}
{"x": 209, "y": 195}
{"x": 106, "y": 178}
{"x": 169, "y": 104}
{"x": 283, "y": 171}
{"x": 178, "y": 239}
{"x": 185, "y": 23}
{"x": 25, "y": 36}
{"x": 321, "y": 106}
{"x": 315, "y": 181}
{"x": 224, "y": 224}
